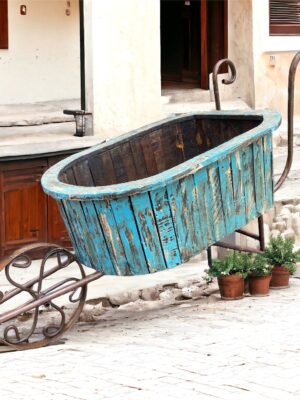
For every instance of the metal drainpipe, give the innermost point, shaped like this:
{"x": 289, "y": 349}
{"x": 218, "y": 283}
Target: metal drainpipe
{"x": 82, "y": 55}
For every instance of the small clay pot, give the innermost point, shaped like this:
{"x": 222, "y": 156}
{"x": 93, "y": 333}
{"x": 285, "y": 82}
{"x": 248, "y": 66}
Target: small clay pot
{"x": 259, "y": 285}
{"x": 231, "y": 287}
{"x": 280, "y": 277}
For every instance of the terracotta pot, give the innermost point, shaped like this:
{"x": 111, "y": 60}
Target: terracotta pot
{"x": 259, "y": 285}
{"x": 280, "y": 277}
{"x": 231, "y": 287}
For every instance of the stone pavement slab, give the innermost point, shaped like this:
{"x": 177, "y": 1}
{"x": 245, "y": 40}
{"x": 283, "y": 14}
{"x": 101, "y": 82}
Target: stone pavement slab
{"x": 203, "y": 348}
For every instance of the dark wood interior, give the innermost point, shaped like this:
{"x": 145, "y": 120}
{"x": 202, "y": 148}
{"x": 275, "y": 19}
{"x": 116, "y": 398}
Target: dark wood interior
{"x": 154, "y": 150}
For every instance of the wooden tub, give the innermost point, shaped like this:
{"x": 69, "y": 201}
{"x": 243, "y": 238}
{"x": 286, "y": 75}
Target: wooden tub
{"x": 151, "y": 199}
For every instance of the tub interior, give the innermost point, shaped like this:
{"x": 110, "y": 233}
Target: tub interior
{"x": 155, "y": 150}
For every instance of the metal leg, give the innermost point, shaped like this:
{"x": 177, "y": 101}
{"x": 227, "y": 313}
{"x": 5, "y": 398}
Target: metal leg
{"x": 209, "y": 257}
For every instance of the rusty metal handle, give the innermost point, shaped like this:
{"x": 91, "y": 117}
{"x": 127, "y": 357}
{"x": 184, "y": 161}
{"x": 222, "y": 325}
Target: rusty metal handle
{"x": 224, "y": 81}
{"x": 290, "y": 128}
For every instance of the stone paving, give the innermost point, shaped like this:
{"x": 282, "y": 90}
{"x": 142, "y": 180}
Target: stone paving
{"x": 203, "y": 348}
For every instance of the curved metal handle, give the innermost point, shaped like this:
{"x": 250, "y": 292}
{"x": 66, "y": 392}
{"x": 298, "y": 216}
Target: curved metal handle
{"x": 290, "y": 127}
{"x": 224, "y": 81}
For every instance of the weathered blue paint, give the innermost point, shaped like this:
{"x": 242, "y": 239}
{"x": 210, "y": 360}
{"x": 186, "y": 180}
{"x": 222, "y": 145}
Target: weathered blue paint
{"x": 149, "y": 224}
{"x": 227, "y": 194}
{"x": 205, "y": 213}
{"x": 129, "y": 236}
{"x": 238, "y": 190}
{"x": 259, "y": 175}
{"x": 216, "y": 203}
{"x": 148, "y": 232}
{"x": 177, "y": 196}
{"x": 112, "y": 237}
{"x": 268, "y": 170}
{"x": 248, "y": 182}
{"x": 165, "y": 226}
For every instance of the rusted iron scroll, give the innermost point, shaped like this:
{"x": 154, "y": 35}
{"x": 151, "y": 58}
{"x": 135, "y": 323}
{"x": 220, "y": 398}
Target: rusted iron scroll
{"x": 38, "y": 311}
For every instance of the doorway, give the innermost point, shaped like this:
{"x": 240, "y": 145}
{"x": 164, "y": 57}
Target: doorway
{"x": 193, "y": 39}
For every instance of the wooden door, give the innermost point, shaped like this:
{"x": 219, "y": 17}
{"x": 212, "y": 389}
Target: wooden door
{"x": 57, "y": 232}
{"x": 23, "y": 204}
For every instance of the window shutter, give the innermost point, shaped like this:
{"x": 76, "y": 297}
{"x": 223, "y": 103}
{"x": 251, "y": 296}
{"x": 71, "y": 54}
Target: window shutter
{"x": 284, "y": 17}
{"x": 3, "y": 25}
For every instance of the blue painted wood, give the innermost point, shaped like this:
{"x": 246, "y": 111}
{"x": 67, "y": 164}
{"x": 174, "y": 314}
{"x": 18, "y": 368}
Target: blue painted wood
{"x": 238, "y": 190}
{"x": 112, "y": 237}
{"x": 148, "y": 232}
{"x": 268, "y": 170}
{"x": 227, "y": 194}
{"x": 165, "y": 227}
{"x": 178, "y": 201}
{"x": 192, "y": 212}
{"x": 75, "y": 215}
{"x": 203, "y": 195}
{"x": 216, "y": 202}
{"x": 73, "y": 237}
{"x": 248, "y": 182}
{"x": 97, "y": 238}
{"x": 259, "y": 175}
{"x": 187, "y": 207}
{"x": 129, "y": 235}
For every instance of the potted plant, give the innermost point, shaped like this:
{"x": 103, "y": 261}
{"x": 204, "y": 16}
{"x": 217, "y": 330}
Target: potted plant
{"x": 281, "y": 255}
{"x": 231, "y": 272}
{"x": 260, "y": 273}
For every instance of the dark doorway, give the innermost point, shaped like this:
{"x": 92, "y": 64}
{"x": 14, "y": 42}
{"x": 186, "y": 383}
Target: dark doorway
{"x": 193, "y": 39}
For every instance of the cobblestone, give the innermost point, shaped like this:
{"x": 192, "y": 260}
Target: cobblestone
{"x": 200, "y": 349}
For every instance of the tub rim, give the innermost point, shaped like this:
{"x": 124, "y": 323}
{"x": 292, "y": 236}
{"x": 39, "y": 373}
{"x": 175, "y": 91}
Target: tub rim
{"x": 64, "y": 191}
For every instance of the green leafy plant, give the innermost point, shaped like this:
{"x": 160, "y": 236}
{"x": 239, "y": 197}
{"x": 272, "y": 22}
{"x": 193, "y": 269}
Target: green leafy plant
{"x": 234, "y": 263}
{"x": 260, "y": 266}
{"x": 280, "y": 252}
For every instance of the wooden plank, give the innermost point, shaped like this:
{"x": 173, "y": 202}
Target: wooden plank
{"x": 238, "y": 190}
{"x": 216, "y": 202}
{"x": 102, "y": 169}
{"x": 96, "y": 236}
{"x": 82, "y": 173}
{"x": 112, "y": 237}
{"x": 129, "y": 235}
{"x": 248, "y": 182}
{"x": 267, "y": 141}
{"x": 148, "y": 232}
{"x": 203, "y": 196}
{"x": 70, "y": 176}
{"x": 227, "y": 194}
{"x": 146, "y": 146}
{"x": 138, "y": 158}
{"x": 165, "y": 227}
{"x": 189, "y": 135}
{"x": 83, "y": 250}
{"x": 119, "y": 168}
{"x": 128, "y": 161}
{"x": 259, "y": 178}
{"x": 86, "y": 232}
{"x": 191, "y": 193}
{"x": 178, "y": 201}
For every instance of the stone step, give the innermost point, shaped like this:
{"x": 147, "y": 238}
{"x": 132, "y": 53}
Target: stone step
{"x": 37, "y": 113}
{"x": 185, "y": 95}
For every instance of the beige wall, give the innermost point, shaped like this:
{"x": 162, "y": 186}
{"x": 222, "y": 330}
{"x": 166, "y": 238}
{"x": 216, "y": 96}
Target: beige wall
{"x": 271, "y": 82}
{"x": 42, "y": 62}
{"x": 123, "y": 85}
{"x": 240, "y": 48}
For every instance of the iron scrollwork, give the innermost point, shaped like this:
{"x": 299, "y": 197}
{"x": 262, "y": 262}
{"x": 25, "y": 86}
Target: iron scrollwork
{"x": 43, "y": 302}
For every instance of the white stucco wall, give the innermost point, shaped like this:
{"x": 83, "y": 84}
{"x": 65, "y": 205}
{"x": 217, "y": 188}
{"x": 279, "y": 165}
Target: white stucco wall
{"x": 271, "y": 82}
{"x": 42, "y": 62}
{"x": 240, "y": 48}
{"x": 123, "y": 86}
